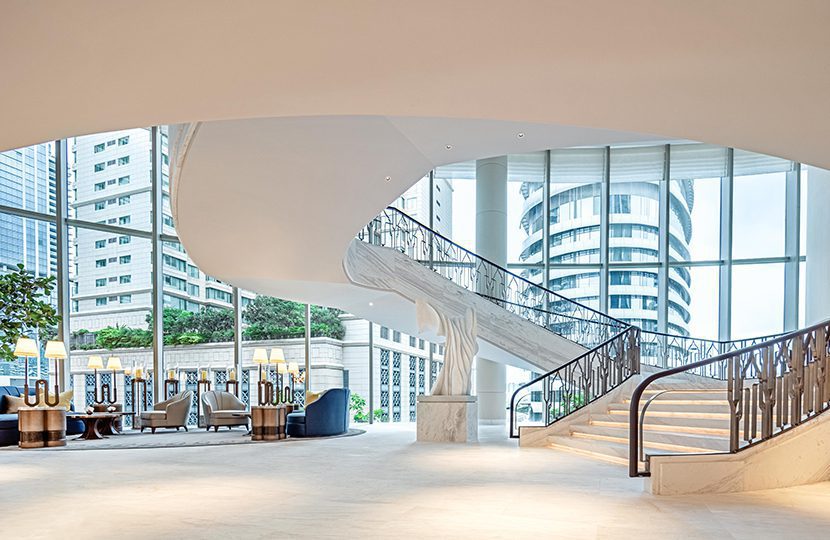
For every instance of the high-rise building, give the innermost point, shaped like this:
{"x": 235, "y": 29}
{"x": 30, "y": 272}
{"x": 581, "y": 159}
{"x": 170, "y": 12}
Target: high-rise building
{"x": 633, "y": 235}
{"x": 27, "y": 182}
{"x": 416, "y": 200}
{"x": 112, "y": 272}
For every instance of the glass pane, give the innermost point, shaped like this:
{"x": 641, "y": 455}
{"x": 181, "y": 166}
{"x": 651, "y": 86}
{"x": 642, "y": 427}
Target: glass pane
{"x": 576, "y": 177}
{"x": 803, "y": 210}
{"x": 579, "y": 284}
{"x": 111, "y": 180}
{"x": 633, "y": 296}
{"x": 457, "y": 187}
{"x": 802, "y": 294}
{"x": 757, "y": 300}
{"x": 696, "y": 171}
{"x": 525, "y": 181}
{"x": 634, "y": 211}
{"x": 28, "y": 242}
{"x": 27, "y": 178}
{"x": 703, "y": 307}
{"x": 759, "y": 193}
{"x": 110, "y": 304}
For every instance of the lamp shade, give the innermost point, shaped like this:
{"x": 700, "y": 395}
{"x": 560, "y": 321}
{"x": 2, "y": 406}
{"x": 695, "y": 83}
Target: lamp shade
{"x": 277, "y": 356}
{"x": 293, "y": 368}
{"x": 260, "y": 356}
{"x": 95, "y": 362}
{"x": 55, "y": 350}
{"x": 25, "y": 347}
{"x": 113, "y": 363}
{"x": 282, "y": 369}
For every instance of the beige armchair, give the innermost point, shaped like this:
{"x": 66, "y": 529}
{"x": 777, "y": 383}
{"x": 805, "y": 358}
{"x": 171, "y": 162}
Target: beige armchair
{"x": 223, "y": 409}
{"x": 170, "y": 413}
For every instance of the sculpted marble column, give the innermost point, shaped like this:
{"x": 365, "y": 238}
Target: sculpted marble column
{"x": 491, "y": 243}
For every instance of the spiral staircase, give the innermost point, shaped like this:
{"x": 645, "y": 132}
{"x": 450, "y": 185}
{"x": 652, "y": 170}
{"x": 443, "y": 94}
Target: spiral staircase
{"x": 624, "y": 395}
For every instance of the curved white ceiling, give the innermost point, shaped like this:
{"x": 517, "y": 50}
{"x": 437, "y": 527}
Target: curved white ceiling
{"x": 746, "y": 73}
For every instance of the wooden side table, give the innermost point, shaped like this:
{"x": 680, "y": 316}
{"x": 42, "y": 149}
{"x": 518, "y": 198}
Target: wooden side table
{"x": 41, "y": 427}
{"x": 267, "y": 422}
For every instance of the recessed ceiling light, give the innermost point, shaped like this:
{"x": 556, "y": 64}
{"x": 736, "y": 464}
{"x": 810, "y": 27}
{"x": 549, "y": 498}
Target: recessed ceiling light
{"x": 449, "y": 147}
{"x": 371, "y": 304}
{"x": 520, "y": 135}
{"x": 388, "y": 178}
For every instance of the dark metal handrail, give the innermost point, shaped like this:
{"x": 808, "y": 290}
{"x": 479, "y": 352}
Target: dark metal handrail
{"x": 787, "y": 367}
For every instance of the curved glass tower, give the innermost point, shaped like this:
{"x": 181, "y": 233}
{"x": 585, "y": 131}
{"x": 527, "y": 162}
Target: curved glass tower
{"x": 576, "y": 187}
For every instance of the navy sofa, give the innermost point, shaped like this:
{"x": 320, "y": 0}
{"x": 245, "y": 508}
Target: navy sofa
{"x": 328, "y": 415}
{"x": 9, "y": 434}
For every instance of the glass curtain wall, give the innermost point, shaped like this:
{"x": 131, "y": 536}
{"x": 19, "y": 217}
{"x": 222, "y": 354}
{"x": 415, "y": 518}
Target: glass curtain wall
{"x": 670, "y": 254}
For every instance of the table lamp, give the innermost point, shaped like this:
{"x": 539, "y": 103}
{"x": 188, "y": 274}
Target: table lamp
{"x": 264, "y": 387}
{"x": 113, "y": 363}
{"x": 55, "y": 350}
{"x": 282, "y": 369}
{"x": 294, "y": 370}
{"x": 277, "y": 357}
{"x": 27, "y": 348}
{"x": 95, "y": 363}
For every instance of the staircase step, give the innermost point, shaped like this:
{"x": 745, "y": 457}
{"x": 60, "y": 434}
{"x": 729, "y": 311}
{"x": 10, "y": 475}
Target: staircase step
{"x": 605, "y": 451}
{"x": 613, "y": 452}
{"x": 676, "y": 407}
{"x": 671, "y": 441}
{"x": 700, "y": 426}
{"x": 698, "y": 395}
{"x": 624, "y": 411}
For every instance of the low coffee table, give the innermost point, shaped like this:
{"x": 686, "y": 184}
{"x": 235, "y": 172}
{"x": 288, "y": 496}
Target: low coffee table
{"x": 96, "y": 423}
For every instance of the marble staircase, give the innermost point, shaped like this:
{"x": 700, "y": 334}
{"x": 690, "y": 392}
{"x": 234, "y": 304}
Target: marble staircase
{"x": 692, "y": 421}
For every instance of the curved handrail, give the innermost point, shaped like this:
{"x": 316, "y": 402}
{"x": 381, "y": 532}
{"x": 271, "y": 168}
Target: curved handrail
{"x": 772, "y": 370}
{"x": 527, "y": 282}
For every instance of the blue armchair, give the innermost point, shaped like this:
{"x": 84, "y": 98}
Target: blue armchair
{"x": 328, "y": 415}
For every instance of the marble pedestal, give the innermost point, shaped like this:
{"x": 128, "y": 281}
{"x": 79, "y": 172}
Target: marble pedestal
{"x": 447, "y": 419}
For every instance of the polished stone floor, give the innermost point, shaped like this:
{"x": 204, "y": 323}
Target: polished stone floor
{"x": 381, "y": 484}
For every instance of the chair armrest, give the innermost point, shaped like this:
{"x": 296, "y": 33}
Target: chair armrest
{"x": 162, "y": 405}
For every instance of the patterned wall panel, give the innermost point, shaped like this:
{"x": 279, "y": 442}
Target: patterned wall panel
{"x": 413, "y": 389}
{"x": 396, "y": 387}
{"x": 384, "y": 384}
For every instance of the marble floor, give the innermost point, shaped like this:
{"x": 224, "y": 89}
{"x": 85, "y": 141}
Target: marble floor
{"x": 381, "y": 484}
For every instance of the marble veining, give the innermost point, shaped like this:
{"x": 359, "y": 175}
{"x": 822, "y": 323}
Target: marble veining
{"x": 389, "y": 270}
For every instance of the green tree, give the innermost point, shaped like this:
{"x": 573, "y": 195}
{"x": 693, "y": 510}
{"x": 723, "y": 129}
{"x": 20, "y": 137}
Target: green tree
{"x": 25, "y": 308}
{"x": 272, "y": 318}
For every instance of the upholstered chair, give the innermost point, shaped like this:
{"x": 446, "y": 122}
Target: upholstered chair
{"x": 223, "y": 409}
{"x": 169, "y": 413}
{"x": 327, "y": 415}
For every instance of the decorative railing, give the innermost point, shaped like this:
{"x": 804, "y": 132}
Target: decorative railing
{"x": 771, "y": 387}
{"x": 572, "y": 320}
{"x": 576, "y": 384}
{"x": 666, "y": 351}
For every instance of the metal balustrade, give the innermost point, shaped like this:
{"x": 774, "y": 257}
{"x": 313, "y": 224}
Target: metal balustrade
{"x": 572, "y": 320}
{"x": 771, "y": 386}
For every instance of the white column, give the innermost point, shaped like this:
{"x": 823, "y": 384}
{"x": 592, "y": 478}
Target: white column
{"x": 817, "y": 297}
{"x": 491, "y": 243}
